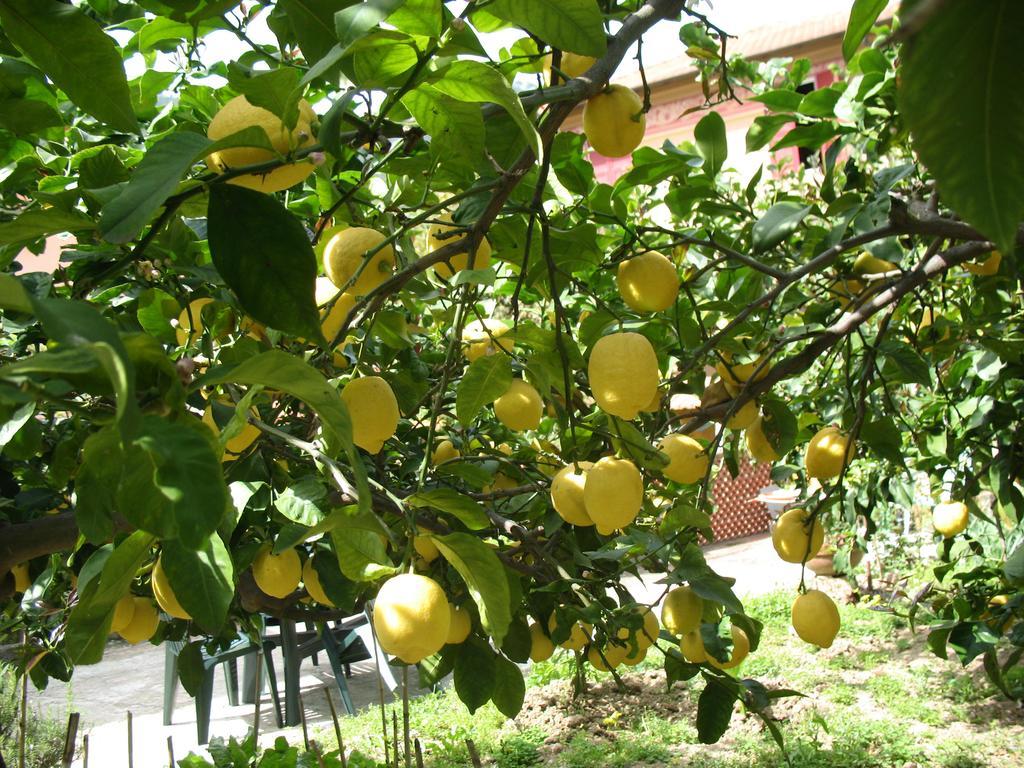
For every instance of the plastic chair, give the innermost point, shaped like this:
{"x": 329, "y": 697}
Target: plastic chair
{"x": 244, "y": 648}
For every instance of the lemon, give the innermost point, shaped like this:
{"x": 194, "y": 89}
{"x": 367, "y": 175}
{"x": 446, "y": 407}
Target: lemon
{"x": 614, "y": 122}
{"x": 986, "y": 268}
{"x": 426, "y": 548}
{"x": 579, "y": 635}
{"x": 613, "y": 494}
{"x": 277, "y": 575}
{"x": 333, "y": 319}
{"x": 311, "y": 581}
{"x": 655, "y": 405}
{"x": 190, "y": 321}
{"x": 22, "y": 579}
{"x": 239, "y": 114}
{"x": 345, "y": 255}
{"x": 501, "y": 482}
{"x": 688, "y": 460}
{"x": 324, "y": 290}
{"x": 541, "y": 646}
{"x": 143, "y": 623}
{"x": 691, "y": 645}
{"x": 647, "y": 634}
{"x": 744, "y": 417}
{"x": 567, "y": 494}
{"x": 740, "y": 649}
{"x": 648, "y": 282}
{"x": 793, "y": 540}
{"x": 124, "y": 609}
{"x": 614, "y": 654}
{"x": 460, "y": 623}
{"x": 411, "y": 617}
{"x": 575, "y": 64}
{"x": 373, "y": 409}
{"x": 734, "y": 375}
{"x": 816, "y": 618}
{"x": 681, "y": 611}
{"x": 827, "y": 453}
{"x": 163, "y": 593}
{"x": 758, "y": 445}
{"x": 845, "y": 291}
{"x": 520, "y": 407}
{"x": 440, "y": 236}
{"x": 484, "y": 337}
{"x": 950, "y": 518}
{"x": 635, "y": 657}
{"x": 623, "y": 373}
{"x": 869, "y": 264}
{"x": 238, "y": 444}
{"x": 445, "y": 451}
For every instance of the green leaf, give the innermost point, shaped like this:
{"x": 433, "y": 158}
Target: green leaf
{"x": 203, "y": 580}
{"x": 977, "y": 159}
{"x": 863, "y": 16}
{"x": 418, "y": 17}
{"x": 475, "y": 673}
{"x": 570, "y": 164}
{"x": 470, "y": 513}
{"x": 355, "y": 21}
{"x": 714, "y": 711}
{"x": 474, "y": 81}
{"x": 75, "y": 53}
{"x": 884, "y": 438}
{"x": 509, "y": 688}
{"x": 89, "y": 623}
{"x": 764, "y": 129}
{"x": 517, "y": 642}
{"x": 780, "y": 100}
{"x": 312, "y": 21}
{"x": 779, "y": 222}
{"x": 710, "y": 137}
{"x": 908, "y": 366}
{"x": 24, "y": 117}
{"x": 485, "y": 578}
{"x": 301, "y": 501}
{"x": 779, "y": 425}
{"x": 276, "y": 91}
{"x": 12, "y": 294}
{"x": 486, "y": 379}
{"x": 264, "y": 255}
{"x": 172, "y": 485}
{"x": 677, "y": 668}
{"x": 572, "y": 25}
{"x": 190, "y": 667}
{"x": 96, "y": 485}
{"x": 456, "y": 129}
{"x": 1014, "y": 567}
{"x": 40, "y": 222}
{"x": 361, "y": 554}
{"x": 152, "y": 182}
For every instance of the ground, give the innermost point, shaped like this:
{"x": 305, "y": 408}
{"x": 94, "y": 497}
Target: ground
{"x": 876, "y": 698}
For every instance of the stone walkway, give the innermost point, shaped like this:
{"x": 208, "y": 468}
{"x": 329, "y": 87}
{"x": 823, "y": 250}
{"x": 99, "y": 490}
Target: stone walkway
{"x": 130, "y": 678}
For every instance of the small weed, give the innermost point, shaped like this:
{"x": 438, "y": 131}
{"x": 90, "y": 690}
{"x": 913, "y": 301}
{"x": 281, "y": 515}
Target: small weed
{"x": 841, "y": 693}
{"x": 521, "y": 750}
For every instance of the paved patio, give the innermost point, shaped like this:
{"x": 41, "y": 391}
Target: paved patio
{"x": 130, "y": 678}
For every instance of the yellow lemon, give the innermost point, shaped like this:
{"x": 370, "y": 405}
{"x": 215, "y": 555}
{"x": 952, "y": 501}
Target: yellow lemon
{"x": 143, "y": 623}
{"x": 758, "y": 445}
{"x": 579, "y": 635}
{"x": 501, "y": 482}
{"x": 239, "y": 114}
{"x": 691, "y": 645}
{"x": 635, "y": 657}
{"x": 681, "y": 611}
{"x": 740, "y": 649}
{"x": 567, "y": 494}
{"x": 647, "y": 634}
{"x": 541, "y": 646}
{"x": 373, "y": 409}
{"x": 950, "y": 518}
{"x": 827, "y": 453}
{"x": 277, "y": 575}
{"x": 735, "y": 375}
{"x": 460, "y": 623}
{"x": 688, "y": 459}
{"x": 816, "y": 618}
{"x": 794, "y": 539}
{"x": 484, "y": 337}
{"x": 124, "y": 610}
{"x": 655, "y": 405}
{"x": 613, "y": 494}
{"x": 575, "y": 64}
{"x": 411, "y": 617}
{"x": 614, "y": 122}
{"x": 440, "y": 236}
{"x": 345, "y": 255}
{"x": 445, "y": 451}
{"x": 324, "y": 290}
{"x": 426, "y": 548}
{"x": 190, "y": 321}
{"x": 333, "y": 319}
{"x": 744, "y": 417}
{"x": 846, "y": 291}
{"x": 648, "y": 282}
{"x": 623, "y": 373}
{"x": 520, "y": 407}
{"x": 614, "y": 654}
{"x": 22, "y": 579}
{"x": 311, "y": 581}
{"x": 987, "y": 267}
{"x": 868, "y": 264}
{"x": 163, "y": 593}
{"x": 238, "y": 444}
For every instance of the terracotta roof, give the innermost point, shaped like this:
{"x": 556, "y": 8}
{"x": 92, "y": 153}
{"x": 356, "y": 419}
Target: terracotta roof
{"x": 759, "y": 43}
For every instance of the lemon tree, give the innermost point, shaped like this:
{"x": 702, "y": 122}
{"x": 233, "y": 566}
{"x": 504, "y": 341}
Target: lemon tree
{"x": 346, "y": 314}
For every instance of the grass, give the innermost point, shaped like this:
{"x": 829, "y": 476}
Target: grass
{"x": 44, "y": 741}
{"x": 881, "y": 702}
